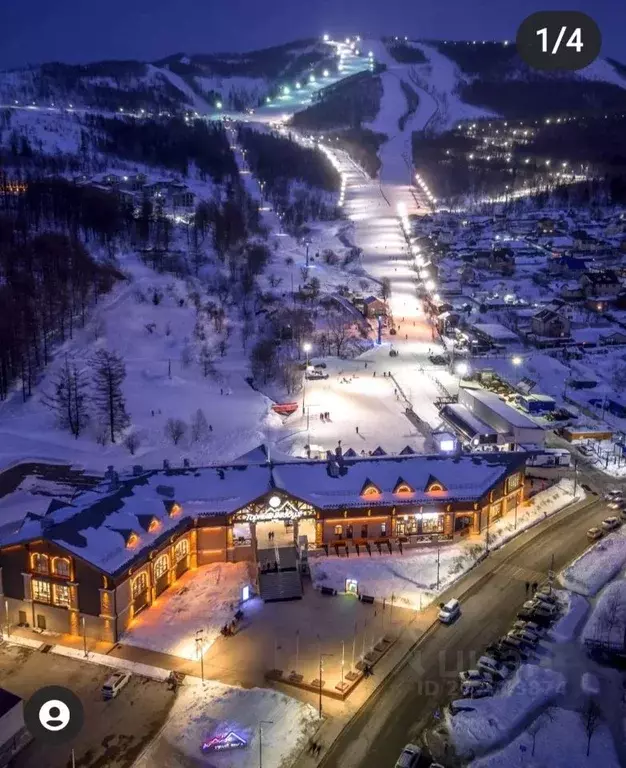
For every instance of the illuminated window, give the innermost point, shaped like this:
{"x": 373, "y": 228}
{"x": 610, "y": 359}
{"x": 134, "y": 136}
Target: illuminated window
{"x": 339, "y": 530}
{"x": 369, "y": 489}
{"x": 432, "y": 524}
{"x": 140, "y": 584}
{"x": 154, "y": 525}
{"x": 161, "y": 566}
{"x": 181, "y": 550}
{"x": 61, "y": 567}
{"x": 40, "y": 563}
{"x": 435, "y": 487}
{"x": 132, "y": 540}
{"x": 175, "y": 509}
{"x": 403, "y": 488}
{"x": 41, "y": 591}
{"x": 61, "y": 594}
{"x": 513, "y": 482}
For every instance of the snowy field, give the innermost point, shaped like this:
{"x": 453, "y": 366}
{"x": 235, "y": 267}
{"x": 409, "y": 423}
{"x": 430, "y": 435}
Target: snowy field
{"x": 490, "y": 721}
{"x": 412, "y": 577}
{"x": 597, "y": 565}
{"x": 202, "y": 712}
{"x": 200, "y": 599}
{"x": 560, "y": 742}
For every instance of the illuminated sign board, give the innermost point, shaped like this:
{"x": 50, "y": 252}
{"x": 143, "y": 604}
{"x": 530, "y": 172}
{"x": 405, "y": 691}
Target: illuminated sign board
{"x": 224, "y": 742}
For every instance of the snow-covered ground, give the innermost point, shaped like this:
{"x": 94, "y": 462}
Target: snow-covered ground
{"x": 567, "y": 627}
{"x": 202, "y": 599}
{"x": 203, "y": 712}
{"x": 597, "y": 565}
{"x": 607, "y": 622}
{"x": 560, "y": 741}
{"x": 412, "y": 577}
{"x": 490, "y": 722}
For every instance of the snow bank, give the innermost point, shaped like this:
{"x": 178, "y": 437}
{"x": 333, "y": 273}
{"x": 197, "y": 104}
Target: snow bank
{"x": 490, "y": 721}
{"x": 560, "y": 742}
{"x": 607, "y": 622}
{"x": 136, "y": 668}
{"x": 204, "y": 711}
{"x": 201, "y": 599}
{"x": 595, "y": 567}
{"x": 566, "y": 628}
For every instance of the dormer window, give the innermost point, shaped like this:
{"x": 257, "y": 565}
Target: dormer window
{"x": 403, "y": 488}
{"x": 434, "y": 486}
{"x": 174, "y": 509}
{"x": 154, "y": 525}
{"x": 370, "y": 490}
{"x": 132, "y": 540}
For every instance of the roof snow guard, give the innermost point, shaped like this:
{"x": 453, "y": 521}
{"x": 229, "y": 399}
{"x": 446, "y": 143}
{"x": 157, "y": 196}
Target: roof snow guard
{"x": 111, "y": 528}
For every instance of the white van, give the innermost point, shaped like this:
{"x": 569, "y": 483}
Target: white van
{"x": 449, "y": 612}
{"x": 114, "y": 684}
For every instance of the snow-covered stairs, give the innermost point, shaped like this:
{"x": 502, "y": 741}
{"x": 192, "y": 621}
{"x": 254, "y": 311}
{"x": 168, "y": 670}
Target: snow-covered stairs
{"x": 280, "y": 585}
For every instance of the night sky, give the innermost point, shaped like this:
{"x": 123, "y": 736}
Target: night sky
{"x": 32, "y": 31}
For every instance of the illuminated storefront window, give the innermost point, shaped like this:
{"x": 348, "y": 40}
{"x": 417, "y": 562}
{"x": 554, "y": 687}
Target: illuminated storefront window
{"x": 513, "y": 482}
{"x": 161, "y": 566}
{"x": 41, "y": 591}
{"x": 181, "y": 550}
{"x": 140, "y": 584}
{"x": 61, "y": 595}
{"x": 61, "y": 567}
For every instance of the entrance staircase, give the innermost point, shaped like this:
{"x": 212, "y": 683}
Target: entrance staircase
{"x": 283, "y": 584}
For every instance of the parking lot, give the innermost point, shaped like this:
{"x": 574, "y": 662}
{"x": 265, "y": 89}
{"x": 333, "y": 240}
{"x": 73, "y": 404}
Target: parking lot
{"x": 115, "y": 731}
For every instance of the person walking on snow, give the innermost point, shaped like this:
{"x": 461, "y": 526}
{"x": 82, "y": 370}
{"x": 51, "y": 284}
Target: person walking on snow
{"x": 357, "y": 430}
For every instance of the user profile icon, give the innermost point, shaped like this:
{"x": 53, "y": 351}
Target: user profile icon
{"x": 54, "y": 714}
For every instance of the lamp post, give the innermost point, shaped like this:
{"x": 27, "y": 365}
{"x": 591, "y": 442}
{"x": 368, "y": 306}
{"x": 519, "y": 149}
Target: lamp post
{"x": 461, "y": 370}
{"x": 199, "y": 640}
{"x": 307, "y": 348}
{"x": 322, "y": 657}
{"x": 261, "y": 724}
{"x": 84, "y": 636}
{"x": 438, "y": 561}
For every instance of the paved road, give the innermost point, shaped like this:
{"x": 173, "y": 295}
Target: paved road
{"x": 404, "y": 704}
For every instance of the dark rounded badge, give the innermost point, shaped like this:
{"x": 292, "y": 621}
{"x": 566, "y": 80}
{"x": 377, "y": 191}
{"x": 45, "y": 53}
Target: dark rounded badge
{"x": 568, "y": 40}
{"x": 54, "y": 715}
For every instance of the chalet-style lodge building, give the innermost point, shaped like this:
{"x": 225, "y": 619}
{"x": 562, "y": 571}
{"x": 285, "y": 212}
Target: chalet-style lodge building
{"x": 88, "y": 567}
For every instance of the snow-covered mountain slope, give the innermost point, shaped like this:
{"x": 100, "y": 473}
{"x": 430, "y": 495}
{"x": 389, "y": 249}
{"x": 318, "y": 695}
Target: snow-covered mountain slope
{"x": 198, "y": 82}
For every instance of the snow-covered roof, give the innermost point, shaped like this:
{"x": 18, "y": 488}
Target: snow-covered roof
{"x": 495, "y": 331}
{"x": 111, "y": 527}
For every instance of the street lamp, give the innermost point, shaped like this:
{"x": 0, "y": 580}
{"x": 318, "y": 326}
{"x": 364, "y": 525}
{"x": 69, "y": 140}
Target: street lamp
{"x": 461, "y": 370}
{"x": 517, "y": 360}
{"x": 261, "y": 724}
{"x": 199, "y": 640}
{"x": 307, "y": 348}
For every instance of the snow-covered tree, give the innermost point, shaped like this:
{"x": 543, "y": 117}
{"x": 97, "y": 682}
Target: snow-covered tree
{"x": 109, "y": 373}
{"x": 175, "y": 429}
{"x": 199, "y": 426}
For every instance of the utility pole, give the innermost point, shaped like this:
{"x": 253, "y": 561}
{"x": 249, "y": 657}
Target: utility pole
{"x": 84, "y": 638}
{"x": 199, "y": 651}
{"x": 575, "y": 475}
{"x": 438, "y": 560}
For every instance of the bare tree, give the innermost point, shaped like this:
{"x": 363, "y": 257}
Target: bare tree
{"x": 207, "y": 356}
{"x": 175, "y": 429}
{"x": 186, "y": 356}
{"x": 338, "y": 331}
{"x": 132, "y": 442}
{"x": 538, "y": 725}
{"x": 591, "y": 717}
{"x": 69, "y": 398}
{"x": 199, "y": 426}
{"x": 108, "y": 375}
{"x": 385, "y": 288}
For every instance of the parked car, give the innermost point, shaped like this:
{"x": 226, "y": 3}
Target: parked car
{"x": 450, "y": 611}
{"x": 315, "y": 374}
{"x": 611, "y": 523}
{"x": 526, "y": 634}
{"x": 476, "y": 689}
{"x": 528, "y": 638}
{"x": 495, "y": 668}
{"x": 616, "y": 502}
{"x": 475, "y": 675}
{"x": 531, "y": 626}
{"x": 114, "y": 684}
{"x": 516, "y": 644}
{"x": 595, "y": 533}
{"x": 549, "y": 598}
{"x": 542, "y": 608}
{"x": 409, "y": 756}
{"x": 615, "y": 494}
{"x": 530, "y": 611}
